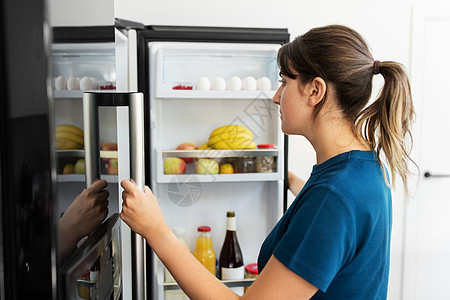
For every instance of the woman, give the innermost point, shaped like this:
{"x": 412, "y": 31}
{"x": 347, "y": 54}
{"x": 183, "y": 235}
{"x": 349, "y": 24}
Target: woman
{"x": 334, "y": 240}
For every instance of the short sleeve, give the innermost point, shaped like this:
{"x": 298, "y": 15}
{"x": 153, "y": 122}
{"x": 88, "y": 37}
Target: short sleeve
{"x": 319, "y": 238}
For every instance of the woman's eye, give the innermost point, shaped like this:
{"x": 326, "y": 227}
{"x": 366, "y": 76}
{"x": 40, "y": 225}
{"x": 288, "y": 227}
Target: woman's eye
{"x": 283, "y": 82}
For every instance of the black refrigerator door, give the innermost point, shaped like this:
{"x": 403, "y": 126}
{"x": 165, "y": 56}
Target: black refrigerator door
{"x": 28, "y": 225}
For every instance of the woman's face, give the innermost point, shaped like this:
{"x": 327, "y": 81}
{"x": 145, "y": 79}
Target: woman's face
{"x": 294, "y": 109}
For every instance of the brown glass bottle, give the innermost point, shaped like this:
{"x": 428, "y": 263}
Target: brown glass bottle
{"x": 231, "y": 262}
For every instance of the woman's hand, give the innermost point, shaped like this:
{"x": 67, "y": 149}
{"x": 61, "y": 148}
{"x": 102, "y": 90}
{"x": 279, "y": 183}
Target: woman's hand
{"x": 83, "y": 215}
{"x": 295, "y": 184}
{"x": 140, "y": 210}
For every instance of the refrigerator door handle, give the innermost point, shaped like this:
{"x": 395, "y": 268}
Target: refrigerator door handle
{"x": 135, "y": 102}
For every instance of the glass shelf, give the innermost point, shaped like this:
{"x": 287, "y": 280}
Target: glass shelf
{"x": 229, "y": 283}
{"x": 194, "y": 94}
{"x": 81, "y": 178}
{"x": 76, "y": 94}
{"x": 219, "y": 153}
{"x": 80, "y": 153}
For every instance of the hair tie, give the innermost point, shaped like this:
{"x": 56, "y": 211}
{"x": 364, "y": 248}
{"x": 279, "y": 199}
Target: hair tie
{"x": 376, "y": 67}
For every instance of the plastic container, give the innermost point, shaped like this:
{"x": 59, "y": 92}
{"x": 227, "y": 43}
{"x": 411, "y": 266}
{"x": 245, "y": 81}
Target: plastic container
{"x": 251, "y": 271}
{"x": 244, "y": 164}
{"x": 204, "y": 251}
{"x": 265, "y": 164}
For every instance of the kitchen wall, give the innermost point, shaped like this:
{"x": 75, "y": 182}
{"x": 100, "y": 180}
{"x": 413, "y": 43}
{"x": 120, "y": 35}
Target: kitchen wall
{"x": 80, "y": 12}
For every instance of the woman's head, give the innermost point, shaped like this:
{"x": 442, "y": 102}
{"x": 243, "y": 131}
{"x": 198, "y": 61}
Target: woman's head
{"x": 338, "y": 55}
{"x": 341, "y": 58}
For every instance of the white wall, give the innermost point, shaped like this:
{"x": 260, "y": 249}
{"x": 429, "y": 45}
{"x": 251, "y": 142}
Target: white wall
{"x": 80, "y": 12}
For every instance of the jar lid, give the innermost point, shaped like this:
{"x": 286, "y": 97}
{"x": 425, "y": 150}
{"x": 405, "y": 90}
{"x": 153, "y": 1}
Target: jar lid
{"x": 88, "y": 271}
{"x": 266, "y": 146}
{"x": 252, "y": 268}
{"x": 204, "y": 229}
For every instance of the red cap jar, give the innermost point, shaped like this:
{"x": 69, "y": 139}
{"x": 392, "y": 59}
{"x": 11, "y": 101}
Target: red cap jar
{"x": 265, "y": 164}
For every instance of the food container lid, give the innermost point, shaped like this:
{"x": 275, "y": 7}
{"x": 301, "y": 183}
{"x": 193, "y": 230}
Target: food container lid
{"x": 252, "y": 268}
{"x": 204, "y": 229}
{"x": 88, "y": 271}
{"x": 266, "y": 146}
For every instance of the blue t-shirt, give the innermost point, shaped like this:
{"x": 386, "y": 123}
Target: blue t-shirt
{"x": 336, "y": 234}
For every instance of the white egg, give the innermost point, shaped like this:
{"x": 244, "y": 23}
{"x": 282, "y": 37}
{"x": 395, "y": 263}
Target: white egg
{"x": 218, "y": 84}
{"x": 94, "y": 83}
{"x": 85, "y": 83}
{"x": 249, "y": 83}
{"x": 234, "y": 84}
{"x": 73, "y": 84}
{"x": 203, "y": 84}
{"x": 60, "y": 83}
{"x": 264, "y": 84}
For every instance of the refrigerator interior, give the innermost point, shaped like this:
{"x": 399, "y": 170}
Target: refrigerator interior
{"x": 181, "y": 112}
{"x": 76, "y": 61}
{"x": 105, "y": 64}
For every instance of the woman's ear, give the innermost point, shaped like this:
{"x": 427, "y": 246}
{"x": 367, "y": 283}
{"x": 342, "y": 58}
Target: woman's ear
{"x": 317, "y": 89}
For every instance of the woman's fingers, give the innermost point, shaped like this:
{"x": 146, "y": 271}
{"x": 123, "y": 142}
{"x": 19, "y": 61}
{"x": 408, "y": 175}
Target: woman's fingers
{"x": 98, "y": 185}
{"x": 128, "y": 185}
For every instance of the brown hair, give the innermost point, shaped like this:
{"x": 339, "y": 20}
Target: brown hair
{"x": 340, "y": 56}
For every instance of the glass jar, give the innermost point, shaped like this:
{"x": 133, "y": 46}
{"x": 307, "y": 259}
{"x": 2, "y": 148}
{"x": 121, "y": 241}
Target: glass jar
{"x": 244, "y": 164}
{"x": 251, "y": 271}
{"x": 265, "y": 164}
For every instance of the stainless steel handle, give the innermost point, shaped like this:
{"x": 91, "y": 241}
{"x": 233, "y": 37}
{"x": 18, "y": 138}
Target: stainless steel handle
{"x": 136, "y": 119}
{"x": 135, "y": 102}
{"x": 428, "y": 175}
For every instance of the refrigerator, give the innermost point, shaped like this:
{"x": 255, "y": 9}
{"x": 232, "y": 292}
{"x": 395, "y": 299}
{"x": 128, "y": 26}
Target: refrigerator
{"x": 172, "y": 64}
{"x": 89, "y": 79}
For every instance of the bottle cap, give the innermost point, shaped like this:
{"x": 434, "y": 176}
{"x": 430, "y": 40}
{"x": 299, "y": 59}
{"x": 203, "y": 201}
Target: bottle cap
{"x": 230, "y": 214}
{"x": 251, "y": 268}
{"x": 266, "y": 146}
{"x": 204, "y": 229}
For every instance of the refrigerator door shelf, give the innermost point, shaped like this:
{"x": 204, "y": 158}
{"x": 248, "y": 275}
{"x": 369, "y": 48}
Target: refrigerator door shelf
{"x": 80, "y": 153}
{"x": 229, "y": 283}
{"x": 82, "y": 178}
{"x": 194, "y": 94}
{"x": 76, "y": 94}
{"x": 95, "y": 60}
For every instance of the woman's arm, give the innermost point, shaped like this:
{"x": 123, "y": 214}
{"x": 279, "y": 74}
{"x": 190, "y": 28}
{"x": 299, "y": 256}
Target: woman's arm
{"x": 295, "y": 184}
{"x": 140, "y": 210}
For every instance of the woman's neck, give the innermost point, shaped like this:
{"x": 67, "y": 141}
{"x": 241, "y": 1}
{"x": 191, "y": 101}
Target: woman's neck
{"x": 331, "y": 137}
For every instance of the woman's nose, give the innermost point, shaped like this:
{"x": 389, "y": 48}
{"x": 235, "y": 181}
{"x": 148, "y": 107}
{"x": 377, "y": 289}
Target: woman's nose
{"x": 276, "y": 97}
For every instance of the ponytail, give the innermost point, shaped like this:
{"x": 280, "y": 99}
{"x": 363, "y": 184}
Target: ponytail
{"x": 386, "y": 123}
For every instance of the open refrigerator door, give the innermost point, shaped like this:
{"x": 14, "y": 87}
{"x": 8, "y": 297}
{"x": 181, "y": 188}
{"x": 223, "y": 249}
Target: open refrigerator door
{"x": 195, "y": 89}
{"x": 90, "y": 59}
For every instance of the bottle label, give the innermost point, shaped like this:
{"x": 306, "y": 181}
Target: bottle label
{"x": 232, "y": 273}
{"x": 231, "y": 224}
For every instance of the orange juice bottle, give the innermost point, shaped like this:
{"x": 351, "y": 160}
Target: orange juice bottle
{"x": 204, "y": 251}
